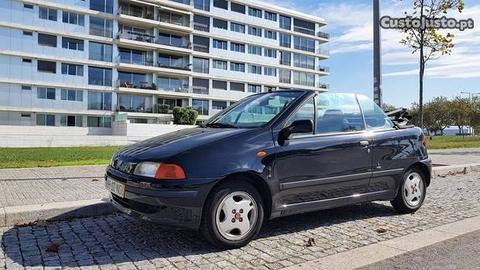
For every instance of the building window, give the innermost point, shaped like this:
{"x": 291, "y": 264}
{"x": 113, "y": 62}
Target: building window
{"x": 304, "y": 44}
{"x": 285, "y": 76}
{"x": 46, "y": 120}
{"x": 255, "y": 31}
{"x": 303, "y": 78}
{"x": 27, "y": 60}
{"x": 220, "y": 44}
{"x": 223, "y": 85}
{"x": 270, "y": 16}
{"x": 239, "y": 67}
{"x": 285, "y": 40}
{"x": 220, "y": 4}
{"x": 304, "y": 27}
{"x": 27, "y": 6}
{"x": 201, "y": 65}
{"x": 255, "y": 12}
{"x": 252, "y": 88}
{"x": 236, "y": 27}
{"x": 72, "y": 69}
{"x": 201, "y": 23}
{"x": 47, "y": 40}
{"x": 172, "y": 84}
{"x": 73, "y": 18}
{"x": 271, "y": 34}
{"x": 272, "y": 53}
{"x": 102, "y": 5}
{"x": 101, "y": 122}
{"x": 201, "y": 106}
{"x": 48, "y": 14}
{"x": 285, "y": 58}
{"x": 72, "y": 44}
{"x": 237, "y": 47}
{"x": 237, "y": 87}
{"x": 133, "y": 80}
{"x": 25, "y": 115}
{"x": 100, "y": 51}
{"x": 219, "y": 105}
{"x": 201, "y": 86}
{"x": 285, "y": 22}
{"x": 26, "y": 87}
{"x": 131, "y": 103}
{"x": 100, "y": 101}
{"x": 201, "y": 44}
{"x": 237, "y": 8}
{"x": 217, "y": 23}
{"x": 71, "y": 120}
{"x": 72, "y": 95}
{"x": 270, "y": 71}
{"x": 171, "y": 61}
{"x": 46, "y": 93}
{"x": 201, "y": 4}
{"x": 257, "y": 50}
{"x": 303, "y": 61}
{"x": 46, "y": 66}
{"x": 218, "y": 64}
{"x": 99, "y": 76}
{"x": 27, "y": 33}
{"x": 101, "y": 27}
{"x": 254, "y": 69}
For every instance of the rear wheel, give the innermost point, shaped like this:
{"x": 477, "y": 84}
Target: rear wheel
{"x": 233, "y": 215}
{"x": 412, "y": 192}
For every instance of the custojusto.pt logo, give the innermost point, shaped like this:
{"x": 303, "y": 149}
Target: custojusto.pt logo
{"x": 409, "y": 22}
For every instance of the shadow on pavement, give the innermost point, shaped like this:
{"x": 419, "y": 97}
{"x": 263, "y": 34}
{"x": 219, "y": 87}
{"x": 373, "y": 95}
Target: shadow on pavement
{"x": 118, "y": 238}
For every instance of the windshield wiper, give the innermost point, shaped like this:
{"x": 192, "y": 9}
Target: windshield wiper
{"x": 220, "y": 125}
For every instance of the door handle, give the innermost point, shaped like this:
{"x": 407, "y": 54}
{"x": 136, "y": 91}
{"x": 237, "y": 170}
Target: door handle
{"x": 364, "y": 143}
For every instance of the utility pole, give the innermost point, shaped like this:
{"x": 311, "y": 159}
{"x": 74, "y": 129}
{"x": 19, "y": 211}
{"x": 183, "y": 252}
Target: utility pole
{"x": 377, "y": 56}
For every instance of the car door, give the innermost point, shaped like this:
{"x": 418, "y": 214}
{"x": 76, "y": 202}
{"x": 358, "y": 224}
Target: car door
{"x": 331, "y": 165}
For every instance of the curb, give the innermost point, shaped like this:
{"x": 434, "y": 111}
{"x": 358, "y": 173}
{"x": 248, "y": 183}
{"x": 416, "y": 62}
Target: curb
{"x": 455, "y": 169}
{"x": 374, "y": 253}
{"x": 26, "y": 214}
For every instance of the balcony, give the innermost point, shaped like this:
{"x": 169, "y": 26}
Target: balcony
{"x": 177, "y": 89}
{"x": 323, "y": 35}
{"x": 136, "y": 85}
{"x": 141, "y": 60}
{"x": 135, "y": 36}
{"x": 179, "y": 43}
{"x": 174, "y": 19}
{"x": 323, "y": 69}
{"x": 304, "y": 30}
{"x": 136, "y": 11}
{"x": 180, "y": 65}
{"x": 322, "y": 85}
{"x": 323, "y": 52}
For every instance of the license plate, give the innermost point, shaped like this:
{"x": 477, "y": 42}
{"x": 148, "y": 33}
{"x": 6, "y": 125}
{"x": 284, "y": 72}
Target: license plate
{"x": 115, "y": 187}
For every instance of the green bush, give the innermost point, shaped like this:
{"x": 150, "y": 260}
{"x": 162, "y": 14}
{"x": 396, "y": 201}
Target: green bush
{"x": 163, "y": 108}
{"x": 184, "y": 116}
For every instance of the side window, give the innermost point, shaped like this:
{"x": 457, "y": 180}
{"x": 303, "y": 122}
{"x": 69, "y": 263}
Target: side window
{"x": 374, "y": 116}
{"x": 306, "y": 112}
{"x": 338, "y": 113}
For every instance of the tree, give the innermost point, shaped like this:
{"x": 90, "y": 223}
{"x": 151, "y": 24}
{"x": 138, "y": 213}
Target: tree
{"x": 461, "y": 113}
{"x": 388, "y": 107}
{"x": 184, "y": 116}
{"x": 475, "y": 117}
{"x": 440, "y": 114}
{"x": 428, "y": 42}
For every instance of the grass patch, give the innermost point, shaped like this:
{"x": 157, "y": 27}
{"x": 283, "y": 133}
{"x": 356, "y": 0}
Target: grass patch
{"x": 449, "y": 142}
{"x": 57, "y": 156}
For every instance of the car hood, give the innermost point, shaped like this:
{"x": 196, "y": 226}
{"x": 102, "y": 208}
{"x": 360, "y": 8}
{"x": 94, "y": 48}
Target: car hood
{"x": 170, "y": 144}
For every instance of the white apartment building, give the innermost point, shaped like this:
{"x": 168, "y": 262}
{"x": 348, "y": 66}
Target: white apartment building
{"x": 87, "y": 63}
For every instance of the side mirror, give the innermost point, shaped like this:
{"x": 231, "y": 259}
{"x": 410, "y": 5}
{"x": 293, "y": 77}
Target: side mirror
{"x": 297, "y": 127}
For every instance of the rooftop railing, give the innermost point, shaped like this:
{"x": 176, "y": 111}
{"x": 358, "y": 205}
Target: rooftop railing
{"x": 323, "y": 35}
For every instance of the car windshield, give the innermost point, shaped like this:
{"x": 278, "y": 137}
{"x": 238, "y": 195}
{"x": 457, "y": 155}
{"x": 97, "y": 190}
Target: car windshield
{"x": 255, "y": 111}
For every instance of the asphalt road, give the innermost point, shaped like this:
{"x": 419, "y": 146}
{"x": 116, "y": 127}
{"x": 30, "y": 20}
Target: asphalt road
{"x": 457, "y": 253}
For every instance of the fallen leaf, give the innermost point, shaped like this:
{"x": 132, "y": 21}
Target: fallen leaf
{"x": 381, "y": 230}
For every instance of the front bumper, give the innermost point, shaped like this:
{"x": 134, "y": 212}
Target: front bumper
{"x": 170, "y": 204}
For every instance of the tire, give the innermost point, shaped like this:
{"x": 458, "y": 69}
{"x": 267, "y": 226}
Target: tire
{"x": 411, "y": 193}
{"x": 225, "y": 221}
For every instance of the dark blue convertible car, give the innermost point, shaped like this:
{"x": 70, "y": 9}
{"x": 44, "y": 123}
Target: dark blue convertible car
{"x": 271, "y": 155}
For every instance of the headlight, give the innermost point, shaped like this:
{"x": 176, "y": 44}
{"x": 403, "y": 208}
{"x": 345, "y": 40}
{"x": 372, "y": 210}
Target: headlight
{"x": 160, "y": 171}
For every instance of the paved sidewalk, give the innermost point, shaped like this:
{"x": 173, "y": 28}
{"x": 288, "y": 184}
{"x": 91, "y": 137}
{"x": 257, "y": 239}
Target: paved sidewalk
{"x": 455, "y": 156}
{"x": 121, "y": 242}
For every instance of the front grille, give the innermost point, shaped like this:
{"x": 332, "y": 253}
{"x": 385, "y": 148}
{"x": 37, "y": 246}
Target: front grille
{"x": 134, "y": 205}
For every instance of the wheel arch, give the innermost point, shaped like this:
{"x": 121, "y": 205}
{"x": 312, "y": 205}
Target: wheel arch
{"x": 256, "y": 181}
{"x": 424, "y": 169}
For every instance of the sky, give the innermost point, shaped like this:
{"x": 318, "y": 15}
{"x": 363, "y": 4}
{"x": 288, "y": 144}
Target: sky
{"x": 351, "y": 56}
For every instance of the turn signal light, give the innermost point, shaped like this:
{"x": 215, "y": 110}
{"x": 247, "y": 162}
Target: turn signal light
{"x": 170, "y": 172}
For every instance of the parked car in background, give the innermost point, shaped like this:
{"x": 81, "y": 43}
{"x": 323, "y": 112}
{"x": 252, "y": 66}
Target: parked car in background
{"x": 271, "y": 155}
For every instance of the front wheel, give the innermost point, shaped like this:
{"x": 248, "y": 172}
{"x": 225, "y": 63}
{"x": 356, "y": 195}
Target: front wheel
{"x": 412, "y": 192}
{"x": 233, "y": 215}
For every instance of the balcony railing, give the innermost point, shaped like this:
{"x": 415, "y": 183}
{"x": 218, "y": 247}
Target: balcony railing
{"x": 137, "y": 85}
{"x": 173, "y": 65}
{"x": 146, "y": 61}
{"x": 323, "y": 69}
{"x": 144, "y": 13}
{"x": 322, "y": 85}
{"x": 323, "y": 52}
{"x": 323, "y": 35}
{"x": 200, "y": 90}
{"x": 178, "y": 89}
{"x": 137, "y": 36}
{"x": 304, "y": 30}
{"x": 183, "y": 43}
{"x": 167, "y": 18}
{"x": 201, "y": 27}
